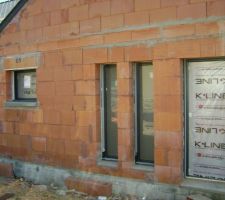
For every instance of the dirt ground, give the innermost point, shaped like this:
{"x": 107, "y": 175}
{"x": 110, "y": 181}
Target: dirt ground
{"x": 19, "y": 189}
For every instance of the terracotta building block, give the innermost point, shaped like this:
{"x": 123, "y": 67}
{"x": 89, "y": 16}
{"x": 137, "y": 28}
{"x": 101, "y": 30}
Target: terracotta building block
{"x": 161, "y": 156}
{"x": 77, "y": 72}
{"x": 52, "y": 32}
{"x": 116, "y": 54}
{"x": 45, "y": 74}
{"x": 125, "y": 120}
{"x": 146, "y": 34}
{"x": 69, "y": 30}
{"x": 89, "y": 87}
{"x": 138, "y": 53}
{"x": 78, "y": 13}
{"x": 62, "y": 74}
{"x": 64, "y": 88}
{"x": 91, "y": 187}
{"x": 168, "y": 3}
{"x": 193, "y": 11}
{"x": 124, "y": 6}
{"x": 46, "y": 88}
{"x": 168, "y": 140}
{"x": 56, "y": 146}
{"x": 178, "y": 31}
{"x": 146, "y": 5}
{"x": 86, "y": 118}
{"x": 163, "y": 174}
{"x": 91, "y": 72}
{"x": 90, "y": 25}
{"x": 125, "y": 104}
{"x": 11, "y": 115}
{"x": 39, "y": 144}
{"x": 79, "y": 103}
{"x": 207, "y": 28}
{"x": 175, "y": 158}
{"x": 208, "y": 47}
{"x": 117, "y": 37}
{"x": 72, "y": 147}
{"x": 124, "y": 70}
{"x": 53, "y": 58}
{"x": 41, "y": 20}
{"x": 163, "y": 14}
{"x": 52, "y": 116}
{"x": 168, "y": 121}
{"x": 69, "y": 3}
{"x": 67, "y": 117}
{"x": 52, "y": 5}
{"x": 35, "y": 35}
{"x": 167, "y": 67}
{"x": 125, "y": 137}
{"x": 72, "y": 56}
{"x": 6, "y": 170}
{"x": 92, "y": 103}
{"x": 65, "y": 103}
{"x": 112, "y": 22}
{"x": 125, "y": 87}
{"x": 184, "y": 49}
{"x": 37, "y": 116}
{"x": 136, "y": 18}
{"x": 59, "y": 17}
{"x": 95, "y": 55}
{"x": 168, "y": 103}
{"x": 98, "y": 9}
{"x": 220, "y": 47}
{"x": 91, "y": 40}
{"x": 216, "y": 8}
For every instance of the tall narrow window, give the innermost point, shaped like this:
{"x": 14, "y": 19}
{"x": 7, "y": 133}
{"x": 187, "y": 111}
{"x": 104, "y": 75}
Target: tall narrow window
{"x": 144, "y": 113}
{"x": 109, "y": 113}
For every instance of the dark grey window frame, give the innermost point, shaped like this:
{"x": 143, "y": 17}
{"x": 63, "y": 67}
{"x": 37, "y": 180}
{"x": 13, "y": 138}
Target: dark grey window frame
{"x": 136, "y": 72}
{"x": 104, "y": 153}
{"x": 16, "y": 98}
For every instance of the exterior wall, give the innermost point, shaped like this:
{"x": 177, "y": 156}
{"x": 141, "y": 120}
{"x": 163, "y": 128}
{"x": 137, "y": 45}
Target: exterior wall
{"x": 73, "y": 38}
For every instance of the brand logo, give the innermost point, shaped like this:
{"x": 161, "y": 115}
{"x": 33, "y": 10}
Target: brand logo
{"x": 210, "y": 81}
{"x": 202, "y": 96}
{"x": 209, "y": 145}
{"x": 209, "y": 130}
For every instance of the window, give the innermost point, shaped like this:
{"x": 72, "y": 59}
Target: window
{"x": 25, "y": 85}
{"x": 205, "y": 116}
{"x": 108, "y": 112}
{"x": 144, "y": 133}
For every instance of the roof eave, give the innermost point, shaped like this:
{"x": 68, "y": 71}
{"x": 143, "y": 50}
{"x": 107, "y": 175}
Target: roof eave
{"x": 12, "y": 13}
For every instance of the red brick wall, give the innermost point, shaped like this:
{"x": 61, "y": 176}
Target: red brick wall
{"x": 74, "y": 37}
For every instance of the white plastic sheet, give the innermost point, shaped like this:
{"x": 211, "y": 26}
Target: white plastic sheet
{"x": 206, "y": 119}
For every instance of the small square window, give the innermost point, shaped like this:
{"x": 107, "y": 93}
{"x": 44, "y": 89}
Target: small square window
{"x": 25, "y": 85}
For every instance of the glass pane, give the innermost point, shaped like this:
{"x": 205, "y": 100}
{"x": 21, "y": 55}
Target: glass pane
{"x": 25, "y": 84}
{"x": 145, "y": 113}
{"x": 110, "y": 90}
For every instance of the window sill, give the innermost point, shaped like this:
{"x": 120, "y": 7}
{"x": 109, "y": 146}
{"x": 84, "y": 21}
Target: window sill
{"x": 204, "y": 184}
{"x": 107, "y": 163}
{"x": 143, "y": 167}
{"x": 25, "y": 104}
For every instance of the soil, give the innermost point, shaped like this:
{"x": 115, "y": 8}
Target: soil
{"x": 18, "y": 189}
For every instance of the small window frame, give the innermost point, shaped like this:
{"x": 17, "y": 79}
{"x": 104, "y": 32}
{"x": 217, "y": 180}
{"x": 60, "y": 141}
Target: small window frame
{"x": 14, "y": 83}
